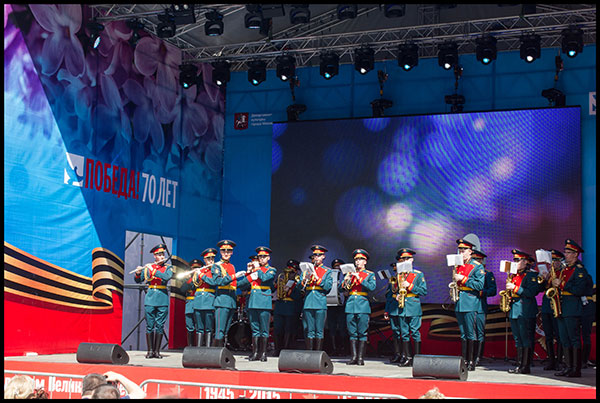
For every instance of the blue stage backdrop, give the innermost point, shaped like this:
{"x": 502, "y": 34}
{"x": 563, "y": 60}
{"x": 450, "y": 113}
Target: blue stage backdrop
{"x": 511, "y": 177}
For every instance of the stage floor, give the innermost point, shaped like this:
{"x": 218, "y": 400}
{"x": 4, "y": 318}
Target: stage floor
{"x": 492, "y": 371}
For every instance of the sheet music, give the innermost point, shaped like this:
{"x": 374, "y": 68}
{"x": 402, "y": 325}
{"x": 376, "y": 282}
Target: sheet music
{"x": 454, "y": 260}
{"x": 304, "y": 266}
{"x": 506, "y": 266}
{"x": 384, "y": 274}
{"x": 542, "y": 255}
{"x": 347, "y": 268}
{"x": 406, "y": 267}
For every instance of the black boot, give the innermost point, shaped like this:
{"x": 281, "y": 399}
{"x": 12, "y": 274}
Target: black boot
{"x": 463, "y": 352}
{"x": 200, "y": 341}
{"x": 219, "y": 342}
{"x": 531, "y": 352}
{"x": 332, "y": 340}
{"x": 519, "y": 362}
{"x": 470, "y": 355}
{"x": 262, "y": 355}
{"x": 157, "y": 342}
{"x": 568, "y": 352}
{"x": 526, "y": 367}
{"x": 417, "y": 348}
{"x": 318, "y": 344}
{"x": 209, "y": 339}
{"x": 560, "y": 357}
{"x": 353, "y": 352}
{"x": 190, "y": 338}
{"x": 341, "y": 344}
{"x": 254, "y": 355}
{"x": 362, "y": 345}
{"x": 405, "y": 358}
{"x": 585, "y": 356}
{"x": 396, "y": 358}
{"x": 150, "y": 344}
{"x": 287, "y": 339}
{"x": 480, "y": 346}
{"x": 309, "y": 343}
{"x": 576, "y": 367}
{"x": 550, "y": 349}
{"x": 278, "y": 340}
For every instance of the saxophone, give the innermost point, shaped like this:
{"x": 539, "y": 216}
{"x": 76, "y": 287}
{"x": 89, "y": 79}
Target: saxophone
{"x": 505, "y": 296}
{"x": 453, "y": 287}
{"x": 553, "y": 295}
{"x": 401, "y": 291}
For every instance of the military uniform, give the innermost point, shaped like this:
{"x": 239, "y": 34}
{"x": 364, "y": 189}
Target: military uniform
{"x": 314, "y": 309}
{"x": 523, "y": 312}
{"x": 156, "y": 302}
{"x": 285, "y": 313}
{"x": 469, "y": 303}
{"x": 260, "y": 303}
{"x": 550, "y": 323}
{"x": 587, "y": 321}
{"x": 189, "y": 290}
{"x": 336, "y": 317}
{"x": 226, "y": 299}
{"x": 204, "y": 301}
{"x": 572, "y": 286}
{"x": 489, "y": 290}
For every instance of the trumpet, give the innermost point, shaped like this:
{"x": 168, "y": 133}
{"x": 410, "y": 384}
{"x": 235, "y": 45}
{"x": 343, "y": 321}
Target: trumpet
{"x": 505, "y": 296}
{"x": 349, "y": 281}
{"x": 195, "y": 269}
{"x": 453, "y": 287}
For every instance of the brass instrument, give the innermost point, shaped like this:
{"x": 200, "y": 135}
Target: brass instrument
{"x": 402, "y": 291}
{"x": 349, "y": 281}
{"x": 505, "y": 296}
{"x": 282, "y": 280}
{"x": 553, "y": 294}
{"x": 453, "y": 287}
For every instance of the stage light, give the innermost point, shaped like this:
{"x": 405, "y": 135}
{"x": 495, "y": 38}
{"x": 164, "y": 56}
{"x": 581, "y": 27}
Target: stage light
{"x": 364, "y": 60}
{"x": 457, "y": 101}
{"x": 299, "y": 14}
{"x": 447, "y": 55}
{"x": 183, "y": 14}
{"x": 214, "y": 23}
{"x": 572, "y": 41}
{"x": 136, "y": 26}
{"x": 347, "y": 11}
{"x": 408, "y": 56}
{"x": 254, "y": 17}
{"x": 221, "y": 73}
{"x": 329, "y": 65}
{"x": 379, "y": 105}
{"x": 294, "y": 111}
{"x": 485, "y": 49}
{"x": 555, "y": 97}
{"x": 257, "y": 72}
{"x": 166, "y": 27}
{"x": 394, "y": 10}
{"x": 530, "y": 47}
{"x": 95, "y": 29}
{"x": 286, "y": 67}
{"x": 187, "y": 75}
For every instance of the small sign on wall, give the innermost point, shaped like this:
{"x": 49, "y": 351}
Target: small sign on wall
{"x": 593, "y": 103}
{"x": 240, "y": 121}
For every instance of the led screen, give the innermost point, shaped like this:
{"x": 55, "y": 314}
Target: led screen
{"x": 513, "y": 178}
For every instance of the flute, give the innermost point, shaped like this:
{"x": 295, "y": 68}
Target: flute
{"x": 187, "y": 273}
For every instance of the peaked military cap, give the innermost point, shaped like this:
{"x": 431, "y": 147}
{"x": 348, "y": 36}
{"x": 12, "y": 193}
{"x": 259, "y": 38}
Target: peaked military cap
{"x": 318, "y": 249}
{"x": 405, "y": 252}
{"x": 572, "y": 245}
{"x": 336, "y": 261}
{"x": 556, "y": 254}
{"x": 519, "y": 254}
{"x": 462, "y": 243}
{"x": 263, "y": 250}
{"x": 253, "y": 257}
{"x": 293, "y": 263}
{"x": 161, "y": 247}
{"x": 196, "y": 263}
{"x": 477, "y": 254}
{"x": 226, "y": 244}
{"x": 360, "y": 253}
{"x": 209, "y": 252}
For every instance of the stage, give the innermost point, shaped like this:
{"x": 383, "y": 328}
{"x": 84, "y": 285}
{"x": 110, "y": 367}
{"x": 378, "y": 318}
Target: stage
{"x": 60, "y": 375}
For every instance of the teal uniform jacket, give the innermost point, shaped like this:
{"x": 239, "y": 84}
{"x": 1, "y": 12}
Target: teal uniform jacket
{"x": 205, "y": 292}
{"x": 489, "y": 290}
{"x": 356, "y": 303}
{"x": 289, "y": 305}
{"x": 226, "y": 286}
{"x": 572, "y": 287}
{"x": 391, "y": 304}
{"x": 468, "y": 297}
{"x": 316, "y": 298}
{"x": 261, "y": 288}
{"x": 188, "y": 289}
{"x": 158, "y": 276}
{"x": 418, "y": 287}
{"x": 522, "y": 302}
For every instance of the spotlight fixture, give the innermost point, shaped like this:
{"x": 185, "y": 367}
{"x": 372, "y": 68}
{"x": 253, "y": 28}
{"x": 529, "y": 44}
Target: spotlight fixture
{"x": 408, "y": 56}
{"x": 95, "y": 29}
{"x": 257, "y": 72}
{"x": 457, "y": 101}
{"x": 183, "y": 14}
{"x": 286, "y": 67}
{"x": 214, "y": 23}
{"x": 220, "y": 74}
{"x": 394, "y": 10}
{"x": 294, "y": 111}
{"x": 187, "y": 75}
{"x": 447, "y": 55}
{"x": 364, "y": 60}
{"x": 166, "y": 27}
{"x": 572, "y": 41}
{"x": 485, "y": 49}
{"x": 299, "y": 14}
{"x": 329, "y": 65}
{"x": 379, "y": 105}
{"x": 555, "y": 97}
{"x": 530, "y": 47}
{"x": 136, "y": 26}
{"x": 347, "y": 11}
{"x": 253, "y": 19}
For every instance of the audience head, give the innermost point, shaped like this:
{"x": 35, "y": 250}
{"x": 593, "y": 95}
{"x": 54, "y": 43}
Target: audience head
{"x": 91, "y": 382}
{"x": 106, "y": 391}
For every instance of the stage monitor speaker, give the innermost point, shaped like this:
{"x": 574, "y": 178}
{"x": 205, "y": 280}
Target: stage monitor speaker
{"x": 439, "y": 366}
{"x": 101, "y": 353}
{"x": 310, "y": 361}
{"x": 208, "y": 357}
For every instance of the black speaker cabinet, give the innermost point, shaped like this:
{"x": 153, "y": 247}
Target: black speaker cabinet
{"x": 309, "y": 361}
{"x": 439, "y": 366}
{"x": 208, "y": 357}
{"x": 100, "y": 353}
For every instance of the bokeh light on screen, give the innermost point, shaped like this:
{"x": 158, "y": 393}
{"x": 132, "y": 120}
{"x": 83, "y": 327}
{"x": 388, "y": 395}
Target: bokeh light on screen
{"x": 279, "y": 129}
{"x": 276, "y": 156}
{"x": 421, "y": 182}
